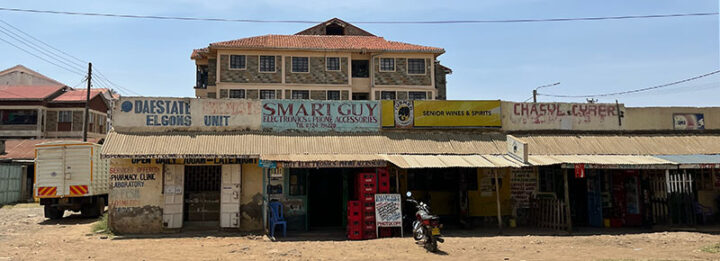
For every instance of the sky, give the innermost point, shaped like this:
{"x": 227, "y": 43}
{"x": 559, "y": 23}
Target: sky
{"x": 489, "y": 61}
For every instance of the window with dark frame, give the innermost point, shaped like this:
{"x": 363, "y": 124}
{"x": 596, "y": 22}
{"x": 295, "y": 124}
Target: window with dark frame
{"x": 360, "y": 68}
{"x": 300, "y": 64}
{"x": 387, "y": 95}
{"x": 237, "y": 94}
{"x": 19, "y": 117}
{"x": 237, "y": 61}
{"x": 387, "y": 64}
{"x": 65, "y": 116}
{"x": 267, "y": 94}
{"x": 417, "y": 95}
{"x": 332, "y": 63}
{"x": 333, "y": 95}
{"x": 300, "y": 95}
{"x": 267, "y": 63}
{"x": 416, "y": 66}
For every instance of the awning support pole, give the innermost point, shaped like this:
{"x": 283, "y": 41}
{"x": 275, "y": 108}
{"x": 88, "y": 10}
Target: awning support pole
{"x": 497, "y": 197}
{"x": 568, "y": 215}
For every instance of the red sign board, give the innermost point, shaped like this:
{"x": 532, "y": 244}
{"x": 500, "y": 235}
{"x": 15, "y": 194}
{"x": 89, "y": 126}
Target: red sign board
{"x": 579, "y": 170}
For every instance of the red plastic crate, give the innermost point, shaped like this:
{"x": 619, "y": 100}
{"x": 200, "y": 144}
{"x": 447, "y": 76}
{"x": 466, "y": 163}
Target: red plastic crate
{"x": 366, "y": 188}
{"x": 355, "y": 233}
{"x": 354, "y": 208}
{"x": 368, "y": 207}
{"x": 383, "y": 187}
{"x": 369, "y": 234}
{"x": 369, "y": 225}
{"x": 369, "y": 217}
{"x": 366, "y": 197}
{"x": 366, "y": 178}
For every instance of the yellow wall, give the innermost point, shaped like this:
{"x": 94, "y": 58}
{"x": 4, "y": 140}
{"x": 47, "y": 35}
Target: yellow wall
{"x": 251, "y": 198}
{"x": 483, "y": 201}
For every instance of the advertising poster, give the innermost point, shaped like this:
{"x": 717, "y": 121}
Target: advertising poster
{"x": 689, "y": 121}
{"x": 315, "y": 116}
{"x": 441, "y": 114}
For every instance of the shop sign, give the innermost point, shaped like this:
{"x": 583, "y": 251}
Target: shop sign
{"x": 196, "y": 161}
{"x": 168, "y": 114}
{"x": 267, "y": 164}
{"x": 517, "y": 148}
{"x": 441, "y": 114}
{"x": 310, "y": 115}
{"x": 388, "y": 210}
{"x": 562, "y": 116}
{"x": 689, "y": 121}
{"x": 579, "y": 170}
{"x": 334, "y": 164}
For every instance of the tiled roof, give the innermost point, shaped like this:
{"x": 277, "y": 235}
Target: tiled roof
{"x": 77, "y": 95}
{"x": 199, "y": 53}
{"x": 325, "y": 42}
{"x": 28, "y": 92}
{"x": 25, "y": 148}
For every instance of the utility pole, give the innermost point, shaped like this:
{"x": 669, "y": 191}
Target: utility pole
{"x": 543, "y": 86}
{"x": 535, "y": 96}
{"x": 87, "y": 103}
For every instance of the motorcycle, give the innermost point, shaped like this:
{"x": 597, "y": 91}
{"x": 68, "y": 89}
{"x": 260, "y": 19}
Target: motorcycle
{"x": 425, "y": 227}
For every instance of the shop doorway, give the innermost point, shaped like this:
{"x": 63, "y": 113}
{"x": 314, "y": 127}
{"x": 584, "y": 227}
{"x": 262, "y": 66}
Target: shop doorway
{"x": 326, "y": 198}
{"x": 202, "y": 195}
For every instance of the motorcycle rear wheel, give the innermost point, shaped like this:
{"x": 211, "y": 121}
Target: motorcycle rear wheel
{"x": 431, "y": 245}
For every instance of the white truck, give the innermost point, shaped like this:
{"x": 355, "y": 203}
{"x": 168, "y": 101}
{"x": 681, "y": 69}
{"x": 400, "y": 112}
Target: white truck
{"x": 69, "y": 175}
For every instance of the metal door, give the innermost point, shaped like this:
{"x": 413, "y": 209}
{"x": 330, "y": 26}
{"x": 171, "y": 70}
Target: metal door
{"x": 174, "y": 189}
{"x": 77, "y": 170}
{"x": 50, "y": 171}
{"x": 230, "y": 196}
{"x": 595, "y": 217}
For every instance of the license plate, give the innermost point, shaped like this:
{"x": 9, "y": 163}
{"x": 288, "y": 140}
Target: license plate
{"x": 436, "y": 231}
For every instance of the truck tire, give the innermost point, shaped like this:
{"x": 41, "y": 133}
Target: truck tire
{"x": 94, "y": 209}
{"x": 53, "y": 212}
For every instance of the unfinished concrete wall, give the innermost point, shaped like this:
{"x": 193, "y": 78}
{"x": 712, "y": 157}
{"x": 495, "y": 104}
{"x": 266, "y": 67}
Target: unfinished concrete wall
{"x": 672, "y": 118}
{"x": 136, "y": 199}
{"x": 251, "y": 204}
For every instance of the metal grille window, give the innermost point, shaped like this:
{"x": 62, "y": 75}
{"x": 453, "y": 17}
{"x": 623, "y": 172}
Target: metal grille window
{"x": 267, "y": 63}
{"x": 238, "y": 94}
{"x": 300, "y": 64}
{"x": 417, "y": 96}
{"x": 387, "y": 95}
{"x": 237, "y": 61}
{"x": 387, "y": 64}
{"x": 65, "y": 116}
{"x": 301, "y": 95}
{"x": 332, "y": 63}
{"x": 333, "y": 95}
{"x": 18, "y": 117}
{"x": 267, "y": 94}
{"x": 416, "y": 66}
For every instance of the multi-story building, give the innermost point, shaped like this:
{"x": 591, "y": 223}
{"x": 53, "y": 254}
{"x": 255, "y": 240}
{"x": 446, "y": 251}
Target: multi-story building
{"x": 333, "y": 60}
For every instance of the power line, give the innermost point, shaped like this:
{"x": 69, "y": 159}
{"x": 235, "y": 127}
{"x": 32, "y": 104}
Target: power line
{"x": 82, "y": 63}
{"x": 40, "y": 50}
{"x": 357, "y": 22}
{"x": 631, "y": 91}
{"x": 36, "y": 56}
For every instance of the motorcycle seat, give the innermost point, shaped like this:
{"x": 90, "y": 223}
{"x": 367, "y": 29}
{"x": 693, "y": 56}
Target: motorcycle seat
{"x": 428, "y": 217}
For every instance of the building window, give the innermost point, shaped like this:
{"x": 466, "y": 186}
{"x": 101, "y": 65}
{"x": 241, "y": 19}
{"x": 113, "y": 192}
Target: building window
{"x": 360, "y": 68}
{"x": 267, "y": 94}
{"x": 237, "y": 62}
{"x": 65, "y": 116}
{"x": 237, "y": 94}
{"x": 416, "y": 66}
{"x": 201, "y": 77}
{"x": 332, "y": 63}
{"x": 387, "y": 64}
{"x": 300, "y": 95}
{"x": 387, "y": 95}
{"x": 19, "y": 117}
{"x": 417, "y": 96}
{"x": 300, "y": 64}
{"x": 267, "y": 63}
{"x": 333, "y": 95}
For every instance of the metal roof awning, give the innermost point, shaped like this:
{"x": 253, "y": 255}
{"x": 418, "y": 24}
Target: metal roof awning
{"x": 450, "y": 161}
{"x": 603, "y": 161}
{"x": 694, "y": 161}
{"x": 326, "y": 160}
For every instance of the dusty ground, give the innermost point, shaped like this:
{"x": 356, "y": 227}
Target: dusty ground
{"x": 26, "y": 235}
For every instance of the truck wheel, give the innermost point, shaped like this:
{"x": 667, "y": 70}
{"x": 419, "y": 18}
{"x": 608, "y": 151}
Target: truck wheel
{"x": 53, "y": 212}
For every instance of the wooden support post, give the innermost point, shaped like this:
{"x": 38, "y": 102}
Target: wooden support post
{"x": 568, "y": 215}
{"x": 497, "y": 197}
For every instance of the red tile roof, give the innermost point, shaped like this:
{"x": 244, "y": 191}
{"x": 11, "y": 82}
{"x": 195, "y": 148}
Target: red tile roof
{"x": 28, "y": 92}
{"x": 199, "y": 53}
{"x": 325, "y": 42}
{"x": 25, "y": 148}
{"x": 77, "y": 95}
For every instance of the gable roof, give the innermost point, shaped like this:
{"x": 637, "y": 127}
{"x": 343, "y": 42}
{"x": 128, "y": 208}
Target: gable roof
{"x": 349, "y": 28}
{"x": 77, "y": 95}
{"x": 19, "y": 149}
{"x": 325, "y": 43}
{"x": 28, "y": 92}
{"x": 200, "y": 53}
{"x": 21, "y": 68}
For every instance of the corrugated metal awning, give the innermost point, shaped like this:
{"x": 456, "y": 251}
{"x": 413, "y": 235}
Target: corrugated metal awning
{"x": 450, "y": 161}
{"x": 603, "y": 161}
{"x": 693, "y": 161}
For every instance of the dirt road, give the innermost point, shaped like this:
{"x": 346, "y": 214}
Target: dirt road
{"x": 26, "y": 235}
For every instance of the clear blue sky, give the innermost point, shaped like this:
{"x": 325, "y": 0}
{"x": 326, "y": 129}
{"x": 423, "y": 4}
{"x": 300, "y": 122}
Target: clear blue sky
{"x": 489, "y": 61}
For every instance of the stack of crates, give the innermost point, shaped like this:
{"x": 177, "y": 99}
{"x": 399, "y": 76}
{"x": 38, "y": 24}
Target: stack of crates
{"x": 355, "y": 220}
{"x": 383, "y": 181}
{"x": 366, "y": 188}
